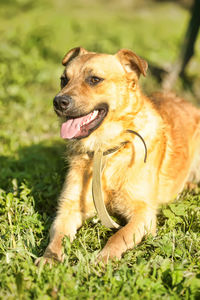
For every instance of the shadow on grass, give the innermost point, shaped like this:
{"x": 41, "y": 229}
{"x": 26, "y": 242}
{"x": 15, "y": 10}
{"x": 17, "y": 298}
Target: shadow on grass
{"x": 42, "y": 167}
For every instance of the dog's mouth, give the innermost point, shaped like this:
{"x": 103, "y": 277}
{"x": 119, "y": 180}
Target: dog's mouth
{"x": 82, "y": 126}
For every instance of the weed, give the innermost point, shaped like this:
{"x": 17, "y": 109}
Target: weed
{"x": 34, "y": 37}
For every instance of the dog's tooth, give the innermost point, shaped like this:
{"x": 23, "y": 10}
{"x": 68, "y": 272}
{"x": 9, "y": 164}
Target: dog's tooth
{"x": 90, "y": 117}
{"x": 95, "y": 113}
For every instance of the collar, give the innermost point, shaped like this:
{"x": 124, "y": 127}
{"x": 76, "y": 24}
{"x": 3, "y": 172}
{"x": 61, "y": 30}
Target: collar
{"x": 109, "y": 151}
{"x": 97, "y": 193}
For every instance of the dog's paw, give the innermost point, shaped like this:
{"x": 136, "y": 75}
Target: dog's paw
{"x": 191, "y": 186}
{"x": 44, "y": 260}
{"x": 41, "y": 261}
{"x": 49, "y": 257}
{"x": 109, "y": 253}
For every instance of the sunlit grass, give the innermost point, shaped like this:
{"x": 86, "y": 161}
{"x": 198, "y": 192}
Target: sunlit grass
{"x": 34, "y": 37}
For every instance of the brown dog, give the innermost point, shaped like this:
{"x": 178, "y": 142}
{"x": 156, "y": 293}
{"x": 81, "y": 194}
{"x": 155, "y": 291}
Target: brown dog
{"x": 100, "y": 99}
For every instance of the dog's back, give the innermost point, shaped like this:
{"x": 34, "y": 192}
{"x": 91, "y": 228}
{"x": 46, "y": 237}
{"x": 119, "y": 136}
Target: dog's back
{"x": 182, "y": 121}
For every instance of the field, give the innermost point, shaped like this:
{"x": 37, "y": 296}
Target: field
{"x": 34, "y": 36}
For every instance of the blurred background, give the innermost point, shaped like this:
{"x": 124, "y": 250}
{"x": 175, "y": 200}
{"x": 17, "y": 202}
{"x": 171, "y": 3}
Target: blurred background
{"x": 34, "y": 37}
{"x": 36, "y": 34}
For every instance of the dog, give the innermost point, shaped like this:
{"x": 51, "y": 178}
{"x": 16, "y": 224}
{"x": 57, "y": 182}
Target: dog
{"x": 100, "y": 102}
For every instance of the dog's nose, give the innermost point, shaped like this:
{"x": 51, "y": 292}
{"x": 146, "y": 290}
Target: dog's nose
{"x": 62, "y": 102}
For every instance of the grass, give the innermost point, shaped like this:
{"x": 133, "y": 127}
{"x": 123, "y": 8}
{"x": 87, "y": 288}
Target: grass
{"x": 34, "y": 36}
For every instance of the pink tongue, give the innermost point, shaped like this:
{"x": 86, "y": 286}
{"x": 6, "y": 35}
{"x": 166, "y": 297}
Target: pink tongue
{"x": 71, "y": 128}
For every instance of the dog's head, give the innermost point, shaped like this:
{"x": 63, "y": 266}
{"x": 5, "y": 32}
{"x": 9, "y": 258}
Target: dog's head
{"x": 98, "y": 92}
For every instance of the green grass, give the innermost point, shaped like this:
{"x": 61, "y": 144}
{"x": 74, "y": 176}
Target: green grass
{"x": 34, "y": 36}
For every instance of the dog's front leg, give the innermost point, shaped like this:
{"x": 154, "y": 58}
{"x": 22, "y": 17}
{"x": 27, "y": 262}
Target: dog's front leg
{"x": 142, "y": 222}
{"x": 74, "y": 207}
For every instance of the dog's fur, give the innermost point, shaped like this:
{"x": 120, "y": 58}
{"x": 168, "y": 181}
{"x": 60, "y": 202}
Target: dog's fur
{"x": 133, "y": 189}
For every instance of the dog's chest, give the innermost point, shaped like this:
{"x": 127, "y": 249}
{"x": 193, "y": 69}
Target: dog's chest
{"x": 126, "y": 180}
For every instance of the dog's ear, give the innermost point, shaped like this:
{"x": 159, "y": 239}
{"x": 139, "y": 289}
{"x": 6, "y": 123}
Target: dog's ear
{"x": 132, "y": 62}
{"x": 72, "y": 54}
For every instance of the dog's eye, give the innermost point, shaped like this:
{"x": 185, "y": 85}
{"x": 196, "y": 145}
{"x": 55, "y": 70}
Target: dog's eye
{"x": 63, "y": 81}
{"x": 94, "y": 80}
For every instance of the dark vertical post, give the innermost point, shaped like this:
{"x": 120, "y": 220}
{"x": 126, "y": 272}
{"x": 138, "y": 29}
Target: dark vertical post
{"x": 191, "y": 36}
{"x": 187, "y": 48}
